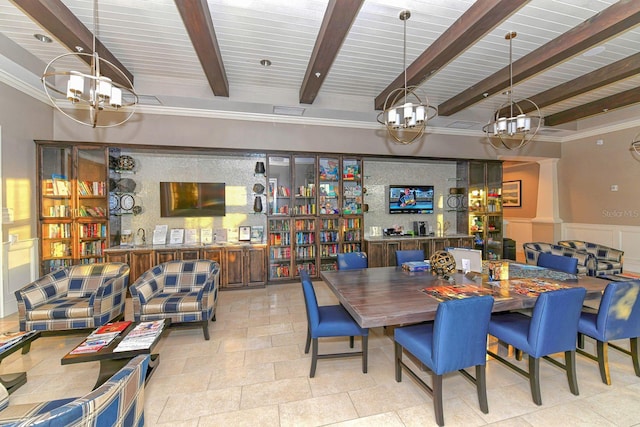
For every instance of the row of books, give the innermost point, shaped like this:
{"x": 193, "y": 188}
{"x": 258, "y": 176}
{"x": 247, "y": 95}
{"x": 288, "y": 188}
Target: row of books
{"x": 57, "y": 231}
{"x": 95, "y": 211}
{"x": 101, "y": 337}
{"x": 93, "y": 230}
{"x": 142, "y": 336}
{"x": 92, "y": 188}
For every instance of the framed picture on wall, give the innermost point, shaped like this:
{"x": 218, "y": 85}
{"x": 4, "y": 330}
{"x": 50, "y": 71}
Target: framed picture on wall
{"x": 512, "y": 194}
{"x": 244, "y": 233}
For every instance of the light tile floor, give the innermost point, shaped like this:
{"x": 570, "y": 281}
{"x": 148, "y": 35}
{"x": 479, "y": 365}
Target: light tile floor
{"x": 253, "y": 372}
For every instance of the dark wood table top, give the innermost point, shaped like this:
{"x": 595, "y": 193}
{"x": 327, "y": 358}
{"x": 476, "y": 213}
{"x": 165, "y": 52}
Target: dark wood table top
{"x": 387, "y": 296}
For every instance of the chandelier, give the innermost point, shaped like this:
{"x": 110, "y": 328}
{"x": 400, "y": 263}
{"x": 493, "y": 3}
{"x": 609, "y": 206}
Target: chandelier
{"x": 92, "y": 90}
{"x": 405, "y": 114}
{"x": 510, "y": 126}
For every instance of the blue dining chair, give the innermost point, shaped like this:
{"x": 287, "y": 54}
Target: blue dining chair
{"x": 558, "y": 262}
{"x": 455, "y": 340}
{"x": 352, "y": 261}
{"x": 409, "y": 255}
{"x": 618, "y": 317}
{"x": 329, "y": 321}
{"x": 552, "y": 328}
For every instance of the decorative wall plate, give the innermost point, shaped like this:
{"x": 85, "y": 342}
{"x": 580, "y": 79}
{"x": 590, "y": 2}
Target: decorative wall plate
{"x": 114, "y": 202}
{"x": 126, "y": 163}
{"x": 127, "y": 202}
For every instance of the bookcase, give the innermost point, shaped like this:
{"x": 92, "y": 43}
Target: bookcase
{"x": 314, "y": 212}
{"x": 73, "y": 223}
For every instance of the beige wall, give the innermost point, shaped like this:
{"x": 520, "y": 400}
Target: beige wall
{"x": 167, "y": 130}
{"x": 586, "y": 173}
{"x": 22, "y": 119}
{"x": 527, "y": 172}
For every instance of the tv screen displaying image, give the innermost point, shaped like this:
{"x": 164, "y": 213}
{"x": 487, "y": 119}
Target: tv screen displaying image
{"x": 192, "y": 199}
{"x": 411, "y": 199}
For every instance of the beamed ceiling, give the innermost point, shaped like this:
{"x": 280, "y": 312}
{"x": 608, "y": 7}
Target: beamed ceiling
{"x": 338, "y": 59}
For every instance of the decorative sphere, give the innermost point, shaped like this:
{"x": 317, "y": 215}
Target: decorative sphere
{"x": 442, "y": 262}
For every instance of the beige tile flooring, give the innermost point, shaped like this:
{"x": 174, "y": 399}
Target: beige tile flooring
{"x": 253, "y": 372}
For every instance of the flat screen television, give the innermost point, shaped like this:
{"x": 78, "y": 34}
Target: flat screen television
{"x": 411, "y": 199}
{"x": 192, "y": 199}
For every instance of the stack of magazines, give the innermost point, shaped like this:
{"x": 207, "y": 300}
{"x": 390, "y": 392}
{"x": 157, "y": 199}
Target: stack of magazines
{"x": 142, "y": 336}
{"x": 101, "y": 337}
{"x": 7, "y": 339}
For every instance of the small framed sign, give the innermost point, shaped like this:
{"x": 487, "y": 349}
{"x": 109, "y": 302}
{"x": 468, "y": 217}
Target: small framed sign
{"x": 244, "y": 233}
{"x": 257, "y": 233}
{"x": 511, "y": 194}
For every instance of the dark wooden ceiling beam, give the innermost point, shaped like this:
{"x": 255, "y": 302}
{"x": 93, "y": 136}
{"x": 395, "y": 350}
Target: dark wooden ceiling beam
{"x": 603, "y": 105}
{"x": 611, "y": 73}
{"x": 59, "y": 22}
{"x": 477, "y": 21}
{"x": 614, "y": 20}
{"x": 197, "y": 20}
{"x": 337, "y": 21}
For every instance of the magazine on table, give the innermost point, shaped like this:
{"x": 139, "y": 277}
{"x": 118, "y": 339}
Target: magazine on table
{"x": 93, "y": 344}
{"x": 116, "y": 327}
{"x": 142, "y": 336}
{"x": 7, "y": 339}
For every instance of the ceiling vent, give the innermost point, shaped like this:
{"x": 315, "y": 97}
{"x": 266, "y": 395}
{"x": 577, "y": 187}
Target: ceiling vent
{"x": 288, "y": 111}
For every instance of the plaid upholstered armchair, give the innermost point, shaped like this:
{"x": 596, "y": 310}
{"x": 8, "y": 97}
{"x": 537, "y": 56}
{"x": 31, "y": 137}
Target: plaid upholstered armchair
{"x": 117, "y": 402}
{"x": 533, "y": 249}
{"x": 183, "y": 291}
{"x": 74, "y": 297}
{"x": 605, "y": 260}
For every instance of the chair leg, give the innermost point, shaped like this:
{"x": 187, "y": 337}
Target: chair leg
{"x": 570, "y": 362}
{"x": 351, "y": 340}
{"x": 314, "y": 358}
{"x": 205, "y": 329}
{"x": 398, "y": 359}
{"x": 481, "y": 384}
{"x": 603, "y": 361}
{"x": 308, "y": 343}
{"x": 633, "y": 346}
{"x": 580, "y": 340}
{"x": 436, "y": 385}
{"x": 213, "y": 318}
{"x": 365, "y": 354}
{"x": 534, "y": 379}
{"x": 518, "y": 354}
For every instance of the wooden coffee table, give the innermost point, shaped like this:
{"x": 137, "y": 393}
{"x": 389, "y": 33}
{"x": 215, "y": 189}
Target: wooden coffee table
{"x": 13, "y": 381}
{"x": 112, "y": 361}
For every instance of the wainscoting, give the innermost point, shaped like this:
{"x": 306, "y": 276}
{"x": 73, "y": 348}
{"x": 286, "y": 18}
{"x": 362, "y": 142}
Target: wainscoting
{"x": 626, "y": 238}
{"x": 19, "y": 268}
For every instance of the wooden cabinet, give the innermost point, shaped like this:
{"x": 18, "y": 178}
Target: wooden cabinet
{"x": 485, "y": 207}
{"x": 240, "y": 265}
{"x": 72, "y": 195}
{"x": 244, "y": 266}
{"x": 382, "y": 253}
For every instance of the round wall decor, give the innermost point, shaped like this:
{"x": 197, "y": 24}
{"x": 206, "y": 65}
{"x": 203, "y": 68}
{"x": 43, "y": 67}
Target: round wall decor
{"x": 126, "y": 163}
{"x": 113, "y": 202}
{"x": 127, "y": 202}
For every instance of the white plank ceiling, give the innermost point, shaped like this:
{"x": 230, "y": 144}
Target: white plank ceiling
{"x": 150, "y": 39}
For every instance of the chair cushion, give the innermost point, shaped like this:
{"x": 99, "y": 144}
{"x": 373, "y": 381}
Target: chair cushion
{"x": 64, "y": 308}
{"x": 511, "y": 328}
{"x": 335, "y": 321}
{"x": 172, "y": 303}
{"x": 417, "y": 340}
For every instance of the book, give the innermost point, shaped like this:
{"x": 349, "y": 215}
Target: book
{"x": 112, "y": 327}
{"x": 416, "y": 266}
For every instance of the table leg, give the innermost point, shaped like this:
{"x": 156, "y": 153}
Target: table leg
{"x": 109, "y": 367}
{"x": 13, "y": 381}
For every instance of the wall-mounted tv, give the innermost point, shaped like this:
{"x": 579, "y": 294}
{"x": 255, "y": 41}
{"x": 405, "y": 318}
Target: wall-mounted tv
{"x": 192, "y": 199}
{"x": 411, "y": 199}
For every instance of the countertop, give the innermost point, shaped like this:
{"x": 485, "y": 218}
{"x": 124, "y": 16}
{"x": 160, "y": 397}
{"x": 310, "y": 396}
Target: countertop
{"x": 409, "y": 236}
{"x": 180, "y": 246}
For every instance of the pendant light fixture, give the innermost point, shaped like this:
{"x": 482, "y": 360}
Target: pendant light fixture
{"x": 93, "y": 90}
{"x": 510, "y": 127}
{"x": 406, "y": 113}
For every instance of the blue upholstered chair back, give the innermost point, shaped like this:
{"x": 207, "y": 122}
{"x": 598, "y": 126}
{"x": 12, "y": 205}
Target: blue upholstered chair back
{"x": 409, "y": 255}
{"x": 352, "y": 261}
{"x": 619, "y": 312}
{"x": 460, "y": 333}
{"x": 554, "y": 321}
{"x": 557, "y": 262}
{"x": 310, "y": 300}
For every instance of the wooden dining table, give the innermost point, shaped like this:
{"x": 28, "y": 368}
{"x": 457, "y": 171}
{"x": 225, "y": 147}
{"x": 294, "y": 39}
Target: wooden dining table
{"x": 387, "y": 296}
